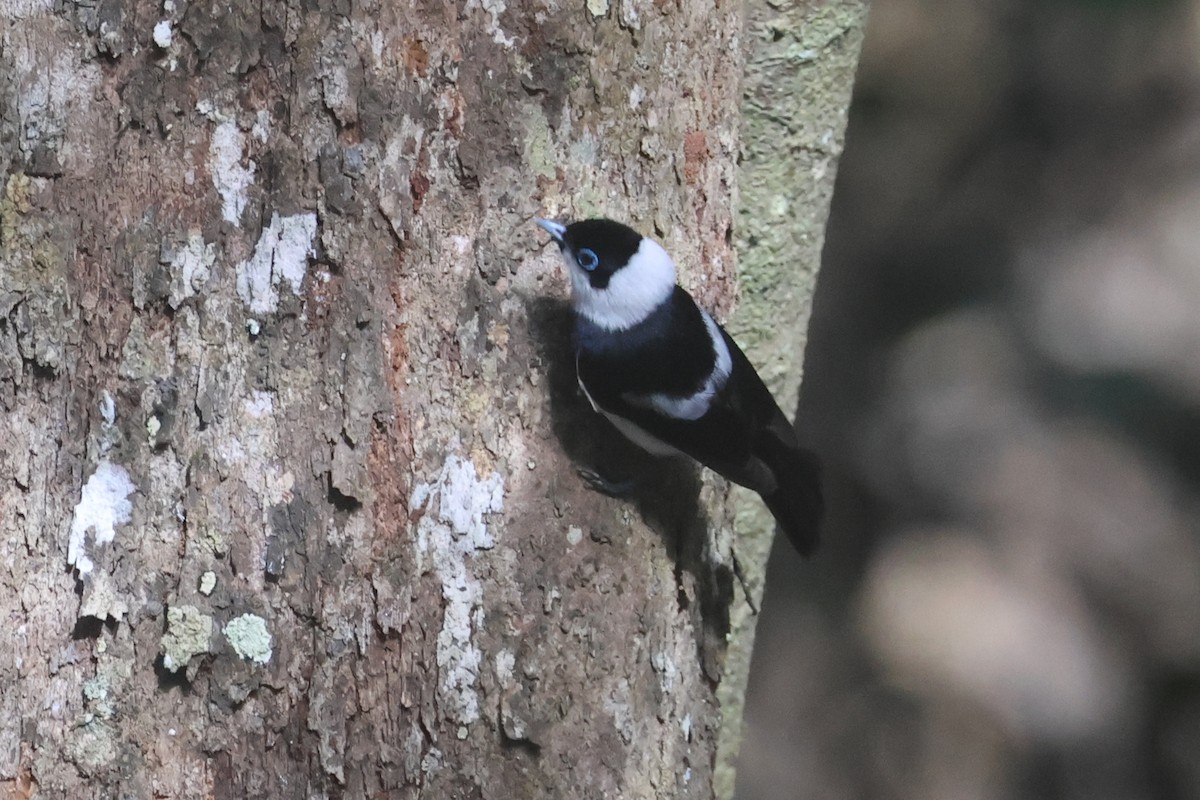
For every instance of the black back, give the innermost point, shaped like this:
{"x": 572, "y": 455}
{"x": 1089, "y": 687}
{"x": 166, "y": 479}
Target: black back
{"x": 671, "y": 352}
{"x": 743, "y": 435}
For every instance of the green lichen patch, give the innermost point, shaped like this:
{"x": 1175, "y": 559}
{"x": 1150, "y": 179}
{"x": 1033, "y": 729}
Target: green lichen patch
{"x": 188, "y": 634}
{"x": 538, "y": 151}
{"x": 14, "y": 202}
{"x": 93, "y": 748}
{"x": 249, "y": 637}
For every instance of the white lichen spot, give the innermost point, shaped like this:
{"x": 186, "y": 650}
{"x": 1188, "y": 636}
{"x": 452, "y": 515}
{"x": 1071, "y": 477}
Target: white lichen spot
{"x": 208, "y": 582}
{"x": 574, "y": 535}
{"x": 162, "y": 34}
{"x": 636, "y": 95}
{"x": 108, "y": 408}
{"x": 494, "y": 9}
{"x": 597, "y": 8}
{"x": 260, "y": 404}
{"x": 261, "y": 129}
{"x": 630, "y": 17}
{"x": 153, "y": 426}
{"x": 553, "y": 595}
{"x": 191, "y": 268}
{"x": 103, "y": 505}
{"x": 229, "y": 176}
{"x": 668, "y": 673}
{"x": 505, "y": 661}
{"x": 617, "y": 704}
{"x": 249, "y": 637}
{"x": 281, "y": 255}
{"x": 451, "y": 531}
{"x": 252, "y": 327}
{"x": 22, "y": 9}
{"x": 432, "y": 762}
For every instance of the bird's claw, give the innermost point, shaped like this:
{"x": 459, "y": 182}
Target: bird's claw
{"x": 598, "y": 483}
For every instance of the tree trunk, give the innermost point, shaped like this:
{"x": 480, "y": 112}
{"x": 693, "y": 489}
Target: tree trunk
{"x": 801, "y": 59}
{"x": 288, "y": 507}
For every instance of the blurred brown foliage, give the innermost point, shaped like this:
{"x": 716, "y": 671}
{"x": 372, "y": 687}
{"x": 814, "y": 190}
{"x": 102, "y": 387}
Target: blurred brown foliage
{"x": 1003, "y": 379}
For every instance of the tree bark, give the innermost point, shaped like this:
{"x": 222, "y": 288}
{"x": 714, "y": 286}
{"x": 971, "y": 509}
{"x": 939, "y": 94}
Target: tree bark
{"x": 287, "y": 502}
{"x": 801, "y": 59}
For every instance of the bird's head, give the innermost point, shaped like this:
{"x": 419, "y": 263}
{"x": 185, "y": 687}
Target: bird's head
{"x": 618, "y": 276}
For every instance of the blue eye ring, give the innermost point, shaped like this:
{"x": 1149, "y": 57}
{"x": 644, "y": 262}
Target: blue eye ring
{"x": 587, "y": 259}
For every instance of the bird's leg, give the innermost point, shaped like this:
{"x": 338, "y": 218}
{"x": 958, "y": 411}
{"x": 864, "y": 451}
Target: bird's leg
{"x": 598, "y": 483}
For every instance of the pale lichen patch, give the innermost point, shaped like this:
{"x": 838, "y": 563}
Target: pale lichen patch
{"x": 208, "y": 582}
{"x": 249, "y": 637}
{"x": 539, "y": 153}
{"x": 493, "y": 8}
{"x": 188, "y": 634}
{"x": 191, "y": 268}
{"x": 230, "y": 177}
{"x": 617, "y": 703}
{"x": 452, "y": 529}
{"x": 93, "y": 747}
{"x": 281, "y": 256}
{"x": 103, "y": 505}
{"x": 163, "y": 35}
{"x": 108, "y": 408}
{"x": 102, "y": 599}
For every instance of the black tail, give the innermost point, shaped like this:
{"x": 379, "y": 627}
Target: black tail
{"x": 797, "y": 504}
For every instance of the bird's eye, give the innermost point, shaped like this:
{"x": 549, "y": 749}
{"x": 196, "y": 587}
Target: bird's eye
{"x": 587, "y": 259}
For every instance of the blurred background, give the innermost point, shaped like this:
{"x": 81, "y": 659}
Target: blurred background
{"x": 1003, "y": 380}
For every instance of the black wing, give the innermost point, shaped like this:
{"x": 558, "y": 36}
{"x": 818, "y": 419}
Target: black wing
{"x": 674, "y": 356}
{"x": 744, "y": 435}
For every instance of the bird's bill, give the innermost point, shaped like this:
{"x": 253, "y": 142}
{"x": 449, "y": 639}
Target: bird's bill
{"x": 555, "y": 229}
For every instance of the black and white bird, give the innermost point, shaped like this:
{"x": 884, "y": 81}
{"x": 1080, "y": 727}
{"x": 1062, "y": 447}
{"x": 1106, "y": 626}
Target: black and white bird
{"x": 672, "y": 380}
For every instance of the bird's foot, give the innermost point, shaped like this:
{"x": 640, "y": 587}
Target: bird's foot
{"x": 598, "y": 483}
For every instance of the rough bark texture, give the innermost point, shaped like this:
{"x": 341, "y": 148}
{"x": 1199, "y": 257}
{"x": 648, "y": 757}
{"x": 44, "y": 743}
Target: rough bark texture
{"x": 801, "y": 59}
{"x": 285, "y": 501}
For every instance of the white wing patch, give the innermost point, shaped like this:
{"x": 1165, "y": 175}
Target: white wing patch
{"x": 696, "y": 405}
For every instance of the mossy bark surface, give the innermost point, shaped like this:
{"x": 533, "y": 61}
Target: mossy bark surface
{"x": 800, "y": 64}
